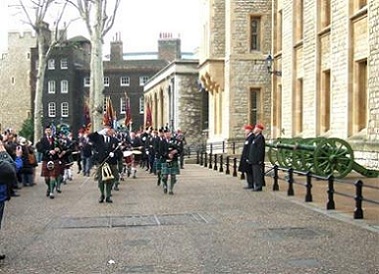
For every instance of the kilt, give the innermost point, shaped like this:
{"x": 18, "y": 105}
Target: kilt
{"x": 170, "y": 168}
{"x": 55, "y": 172}
{"x": 158, "y": 164}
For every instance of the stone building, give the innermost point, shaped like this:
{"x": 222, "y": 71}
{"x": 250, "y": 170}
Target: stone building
{"x": 235, "y": 43}
{"x": 327, "y": 52}
{"x": 172, "y": 99}
{"x": 15, "y": 94}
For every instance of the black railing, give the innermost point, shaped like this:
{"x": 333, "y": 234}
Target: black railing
{"x": 230, "y": 165}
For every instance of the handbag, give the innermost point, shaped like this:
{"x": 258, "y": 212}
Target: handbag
{"x": 106, "y": 172}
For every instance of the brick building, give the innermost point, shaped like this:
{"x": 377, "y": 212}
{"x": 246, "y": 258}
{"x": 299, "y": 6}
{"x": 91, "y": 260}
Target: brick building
{"x": 236, "y": 41}
{"x": 327, "y": 52}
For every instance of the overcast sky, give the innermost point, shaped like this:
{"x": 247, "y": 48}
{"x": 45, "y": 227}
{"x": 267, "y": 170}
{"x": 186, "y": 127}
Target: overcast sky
{"x": 138, "y": 21}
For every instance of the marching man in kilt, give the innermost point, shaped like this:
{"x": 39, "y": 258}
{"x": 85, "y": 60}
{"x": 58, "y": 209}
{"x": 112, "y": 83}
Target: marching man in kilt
{"x": 170, "y": 167}
{"x": 49, "y": 147}
{"x": 159, "y": 155}
{"x": 106, "y": 157}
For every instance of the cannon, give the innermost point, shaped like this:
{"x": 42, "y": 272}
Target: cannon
{"x": 322, "y": 156}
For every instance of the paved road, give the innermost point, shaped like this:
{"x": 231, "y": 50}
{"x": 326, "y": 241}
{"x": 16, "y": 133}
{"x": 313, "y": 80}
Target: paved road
{"x": 210, "y": 225}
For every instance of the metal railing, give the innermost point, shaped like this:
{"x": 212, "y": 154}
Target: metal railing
{"x": 229, "y": 165}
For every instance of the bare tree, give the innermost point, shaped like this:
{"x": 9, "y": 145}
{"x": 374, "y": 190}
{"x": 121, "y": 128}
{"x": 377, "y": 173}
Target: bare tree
{"x": 95, "y": 14}
{"x": 36, "y": 12}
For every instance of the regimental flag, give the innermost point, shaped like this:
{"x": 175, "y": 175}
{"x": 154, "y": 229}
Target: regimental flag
{"x": 86, "y": 119}
{"x": 149, "y": 118}
{"x": 109, "y": 114}
{"x": 128, "y": 112}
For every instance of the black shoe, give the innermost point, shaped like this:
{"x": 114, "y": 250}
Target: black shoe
{"x": 108, "y": 200}
{"x": 14, "y": 194}
{"x": 101, "y": 200}
{"x": 159, "y": 183}
{"x": 165, "y": 190}
{"x": 2, "y": 257}
{"x": 48, "y": 193}
{"x": 171, "y": 193}
{"x": 59, "y": 191}
{"x": 116, "y": 188}
{"x": 257, "y": 189}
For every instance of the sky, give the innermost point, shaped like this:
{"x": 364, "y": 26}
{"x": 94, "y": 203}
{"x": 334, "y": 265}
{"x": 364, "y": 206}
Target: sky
{"x": 138, "y": 21}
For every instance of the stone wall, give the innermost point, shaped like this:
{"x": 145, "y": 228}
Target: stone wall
{"x": 15, "y": 92}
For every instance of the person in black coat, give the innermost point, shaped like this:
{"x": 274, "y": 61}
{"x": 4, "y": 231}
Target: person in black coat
{"x": 244, "y": 165}
{"x": 256, "y": 157}
{"x": 8, "y": 174}
{"x": 106, "y": 150}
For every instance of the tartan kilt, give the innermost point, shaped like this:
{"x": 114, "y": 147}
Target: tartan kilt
{"x": 158, "y": 164}
{"x": 50, "y": 173}
{"x": 170, "y": 168}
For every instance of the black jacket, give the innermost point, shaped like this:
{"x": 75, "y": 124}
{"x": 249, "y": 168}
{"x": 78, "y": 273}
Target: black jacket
{"x": 257, "y": 150}
{"x": 244, "y": 166}
{"x": 102, "y": 149}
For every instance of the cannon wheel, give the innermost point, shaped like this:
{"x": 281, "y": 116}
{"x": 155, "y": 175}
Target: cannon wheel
{"x": 333, "y": 156}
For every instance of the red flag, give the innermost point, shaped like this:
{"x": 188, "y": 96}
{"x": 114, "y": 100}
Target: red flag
{"x": 109, "y": 114}
{"x": 128, "y": 114}
{"x": 149, "y": 118}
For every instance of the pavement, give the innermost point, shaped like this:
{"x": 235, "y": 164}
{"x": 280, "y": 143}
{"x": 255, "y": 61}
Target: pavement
{"x": 210, "y": 225}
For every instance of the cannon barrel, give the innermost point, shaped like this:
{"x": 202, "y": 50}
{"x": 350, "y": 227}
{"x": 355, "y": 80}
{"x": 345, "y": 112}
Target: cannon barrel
{"x": 322, "y": 156}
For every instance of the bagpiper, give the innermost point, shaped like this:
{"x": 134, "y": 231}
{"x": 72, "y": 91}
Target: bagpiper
{"x": 170, "y": 167}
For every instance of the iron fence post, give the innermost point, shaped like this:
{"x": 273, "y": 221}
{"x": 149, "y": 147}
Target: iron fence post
{"x": 290, "y": 191}
{"x": 330, "y": 204}
{"x": 308, "y": 185}
{"x": 275, "y": 186}
{"x": 227, "y": 165}
{"x": 234, "y": 167}
{"x": 358, "y": 212}
{"x": 215, "y": 167}
{"x": 221, "y": 164}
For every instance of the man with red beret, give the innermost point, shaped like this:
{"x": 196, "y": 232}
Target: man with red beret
{"x": 256, "y": 157}
{"x": 244, "y": 165}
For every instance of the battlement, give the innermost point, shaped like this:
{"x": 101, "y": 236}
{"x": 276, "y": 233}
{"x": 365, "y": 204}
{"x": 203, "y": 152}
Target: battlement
{"x": 21, "y": 35}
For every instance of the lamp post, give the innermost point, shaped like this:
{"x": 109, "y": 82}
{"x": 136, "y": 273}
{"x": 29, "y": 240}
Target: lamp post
{"x": 269, "y": 65}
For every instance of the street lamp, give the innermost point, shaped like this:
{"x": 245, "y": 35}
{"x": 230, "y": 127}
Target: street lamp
{"x": 269, "y": 64}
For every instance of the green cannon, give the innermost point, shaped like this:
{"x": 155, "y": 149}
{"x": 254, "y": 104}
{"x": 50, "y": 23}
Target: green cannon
{"x": 321, "y": 156}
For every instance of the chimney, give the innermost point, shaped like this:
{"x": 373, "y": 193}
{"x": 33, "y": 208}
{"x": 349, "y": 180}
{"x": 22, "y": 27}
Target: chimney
{"x": 116, "y": 49}
{"x": 169, "y": 47}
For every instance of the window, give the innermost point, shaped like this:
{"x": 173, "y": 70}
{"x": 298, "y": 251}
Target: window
{"x": 64, "y": 86}
{"x": 87, "y": 81}
{"x": 143, "y": 80}
{"x": 298, "y": 107}
{"x": 141, "y": 105}
{"x": 51, "y": 64}
{"x": 64, "y": 64}
{"x": 122, "y": 105}
{"x": 358, "y": 101}
{"x": 13, "y": 80}
{"x": 51, "y": 111}
{"x": 299, "y": 11}
{"x": 64, "y": 109}
{"x": 325, "y": 102}
{"x": 51, "y": 87}
{"x": 255, "y": 33}
{"x": 254, "y": 105}
{"x": 125, "y": 81}
{"x": 106, "y": 81}
{"x": 28, "y": 55}
{"x": 325, "y": 13}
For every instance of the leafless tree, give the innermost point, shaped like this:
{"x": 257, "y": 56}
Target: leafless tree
{"x": 35, "y": 12}
{"x": 99, "y": 17}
